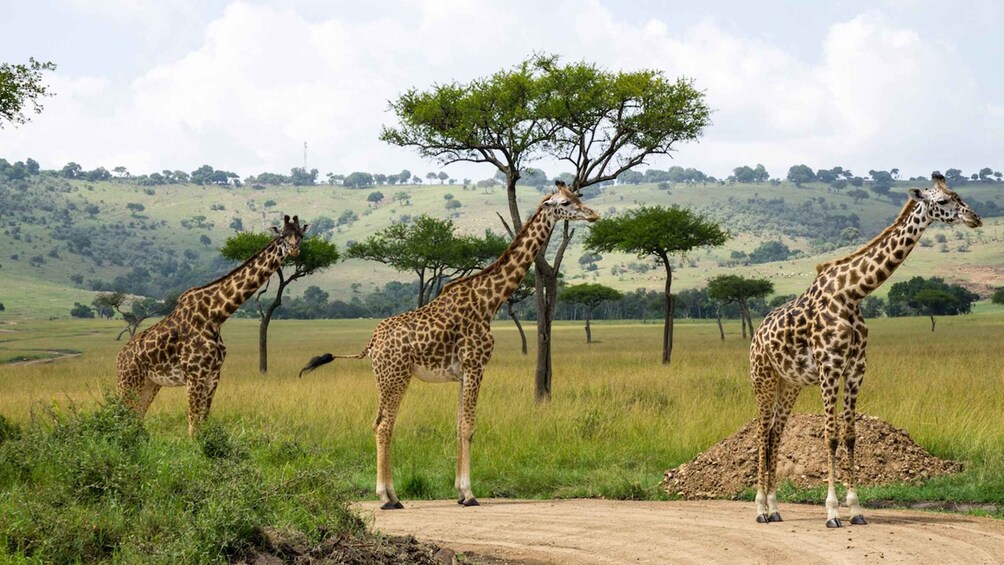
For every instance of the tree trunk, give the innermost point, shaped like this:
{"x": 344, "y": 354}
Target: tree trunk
{"x": 519, "y": 326}
{"x": 667, "y": 330}
{"x": 266, "y": 317}
{"x": 742, "y": 318}
{"x": 932, "y": 322}
{"x": 589, "y": 333}
{"x": 547, "y": 290}
{"x": 721, "y": 330}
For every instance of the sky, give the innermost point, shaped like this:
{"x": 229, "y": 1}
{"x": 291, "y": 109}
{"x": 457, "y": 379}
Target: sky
{"x": 242, "y": 85}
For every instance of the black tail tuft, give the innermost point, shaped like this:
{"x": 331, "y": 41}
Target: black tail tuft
{"x": 317, "y": 362}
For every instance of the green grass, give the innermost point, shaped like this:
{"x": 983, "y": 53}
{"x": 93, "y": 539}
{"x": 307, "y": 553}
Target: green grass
{"x": 618, "y": 419}
{"x": 94, "y": 486}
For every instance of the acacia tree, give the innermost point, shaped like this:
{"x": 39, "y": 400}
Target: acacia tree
{"x": 139, "y": 309}
{"x": 428, "y": 247}
{"x": 315, "y": 255}
{"x": 590, "y": 296}
{"x": 729, "y": 289}
{"x": 21, "y": 86}
{"x": 933, "y": 301}
{"x": 602, "y": 123}
{"x": 657, "y": 232}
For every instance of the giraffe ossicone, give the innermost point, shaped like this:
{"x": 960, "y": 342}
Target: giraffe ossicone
{"x": 819, "y": 339}
{"x": 450, "y": 340}
{"x": 185, "y": 348}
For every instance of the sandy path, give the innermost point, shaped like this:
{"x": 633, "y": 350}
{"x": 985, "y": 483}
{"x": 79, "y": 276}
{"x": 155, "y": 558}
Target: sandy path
{"x": 605, "y": 531}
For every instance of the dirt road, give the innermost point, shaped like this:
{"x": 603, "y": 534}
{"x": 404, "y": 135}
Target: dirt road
{"x": 604, "y": 531}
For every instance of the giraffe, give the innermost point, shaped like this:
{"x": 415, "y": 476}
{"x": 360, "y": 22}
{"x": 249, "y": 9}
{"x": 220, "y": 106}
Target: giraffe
{"x": 185, "y": 347}
{"x": 450, "y": 340}
{"x": 819, "y": 338}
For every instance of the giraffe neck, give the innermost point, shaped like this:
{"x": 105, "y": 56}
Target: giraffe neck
{"x": 502, "y": 277}
{"x": 860, "y": 273}
{"x": 225, "y": 295}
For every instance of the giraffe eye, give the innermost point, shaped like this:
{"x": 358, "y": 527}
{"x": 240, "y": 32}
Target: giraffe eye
{"x": 941, "y": 201}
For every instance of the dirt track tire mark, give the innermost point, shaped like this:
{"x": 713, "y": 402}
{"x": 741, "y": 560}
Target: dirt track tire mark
{"x": 605, "y": 531}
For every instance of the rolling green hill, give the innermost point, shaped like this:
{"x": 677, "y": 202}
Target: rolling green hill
{"x": 62, "y": 238}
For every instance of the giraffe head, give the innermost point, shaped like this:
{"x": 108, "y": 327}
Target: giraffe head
{"x": 942, "y": 204}
{"x": 291, "y": 235}
{"x": 566, "y": 205}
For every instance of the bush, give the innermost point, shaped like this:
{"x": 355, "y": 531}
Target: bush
{"x": 93, "y": 486}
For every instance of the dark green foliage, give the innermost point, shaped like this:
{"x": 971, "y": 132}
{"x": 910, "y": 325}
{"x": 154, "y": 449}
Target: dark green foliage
{"x": 93, "y": 487}
{"x": 770, "y": 251}
{"x": 217, "y": 442}
{"x": 81, "y": 311}
{"x": 801, "y": 174}
{"x": 940, "y": 299}
{"x": 998, "y": 296}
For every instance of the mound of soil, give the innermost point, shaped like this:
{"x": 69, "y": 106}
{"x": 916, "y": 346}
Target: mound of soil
{"x": 278, "y": 548}
{"x": 883, "y": 454}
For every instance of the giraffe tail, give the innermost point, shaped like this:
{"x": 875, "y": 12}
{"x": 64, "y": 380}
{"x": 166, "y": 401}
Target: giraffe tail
{"x": 316, "y": 362}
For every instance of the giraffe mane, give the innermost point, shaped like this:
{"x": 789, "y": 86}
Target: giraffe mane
{"x": 231, "y": 271}
{"x": 497, "y": 264}
{"x": 906, "y": 211}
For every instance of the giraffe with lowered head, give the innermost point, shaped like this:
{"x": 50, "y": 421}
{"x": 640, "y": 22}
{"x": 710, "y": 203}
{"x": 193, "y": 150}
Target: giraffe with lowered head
{"x": 819, "y": 339}
{"x": 450, "y": 339}
{"x": 185, "y": 347}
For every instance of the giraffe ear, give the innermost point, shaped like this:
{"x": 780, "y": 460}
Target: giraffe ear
{"x": 915, "y": 194}
{"x": 275, "y": 230}
{"x": 303, "y": 228}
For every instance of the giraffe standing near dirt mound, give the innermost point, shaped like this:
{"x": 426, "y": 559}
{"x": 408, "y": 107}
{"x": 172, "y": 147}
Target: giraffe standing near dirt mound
{"x": 185, "y": 347}
{"x": 819, "y": 338}
{"x": 450, "y": 339}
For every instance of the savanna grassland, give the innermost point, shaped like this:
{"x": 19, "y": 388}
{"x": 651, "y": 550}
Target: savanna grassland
{"x": 616, "y": 421}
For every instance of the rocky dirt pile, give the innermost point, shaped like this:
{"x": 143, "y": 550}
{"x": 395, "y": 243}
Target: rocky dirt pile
{"x": 883, "y": 454}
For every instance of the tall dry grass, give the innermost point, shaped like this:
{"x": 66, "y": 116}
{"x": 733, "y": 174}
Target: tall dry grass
{"x": 616, "y": 421}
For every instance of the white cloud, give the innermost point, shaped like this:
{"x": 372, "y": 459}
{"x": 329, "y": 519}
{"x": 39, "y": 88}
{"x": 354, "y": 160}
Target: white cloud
{"x": 263, "y": 79}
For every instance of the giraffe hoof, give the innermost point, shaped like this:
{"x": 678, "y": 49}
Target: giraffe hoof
{"x": 392, "y": 506}
{"x": 460, "y": 501}
{"x": 833, "y": 523}
{"x": 775, "y": 517}
{"x": 859, "y": 520}
{"x": 762, "y": 519}
{"x": 471, "y": 502}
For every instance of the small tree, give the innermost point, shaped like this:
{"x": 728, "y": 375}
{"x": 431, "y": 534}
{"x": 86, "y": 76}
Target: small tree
{"x": 590, "y": 296}
{"x": 81, "y": 311}
{"x": 659, "y": 233}
{"x": 139, "y": 309}
{"x": 998, "y": 296}
{"x": 428, "y": 247}
{"x": 933, "y": 301}
{"x": 730, "y": 289}
{"x": 315, "y": 255}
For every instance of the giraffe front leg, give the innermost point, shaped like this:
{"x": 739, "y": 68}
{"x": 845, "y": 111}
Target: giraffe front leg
{"x": 466, "y": 424}
{"x": 198, "y": 405}
{"x": 391, "y": 392}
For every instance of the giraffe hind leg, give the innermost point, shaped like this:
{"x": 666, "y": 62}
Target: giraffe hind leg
{"x": 787, "y": 393}
{"x": 765, "y": 387}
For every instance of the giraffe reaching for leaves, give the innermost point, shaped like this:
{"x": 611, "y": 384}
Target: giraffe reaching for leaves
{"x": 819, "y": 339}
{"x": 185, "y": 347}
{"x": 450, "y": 339}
